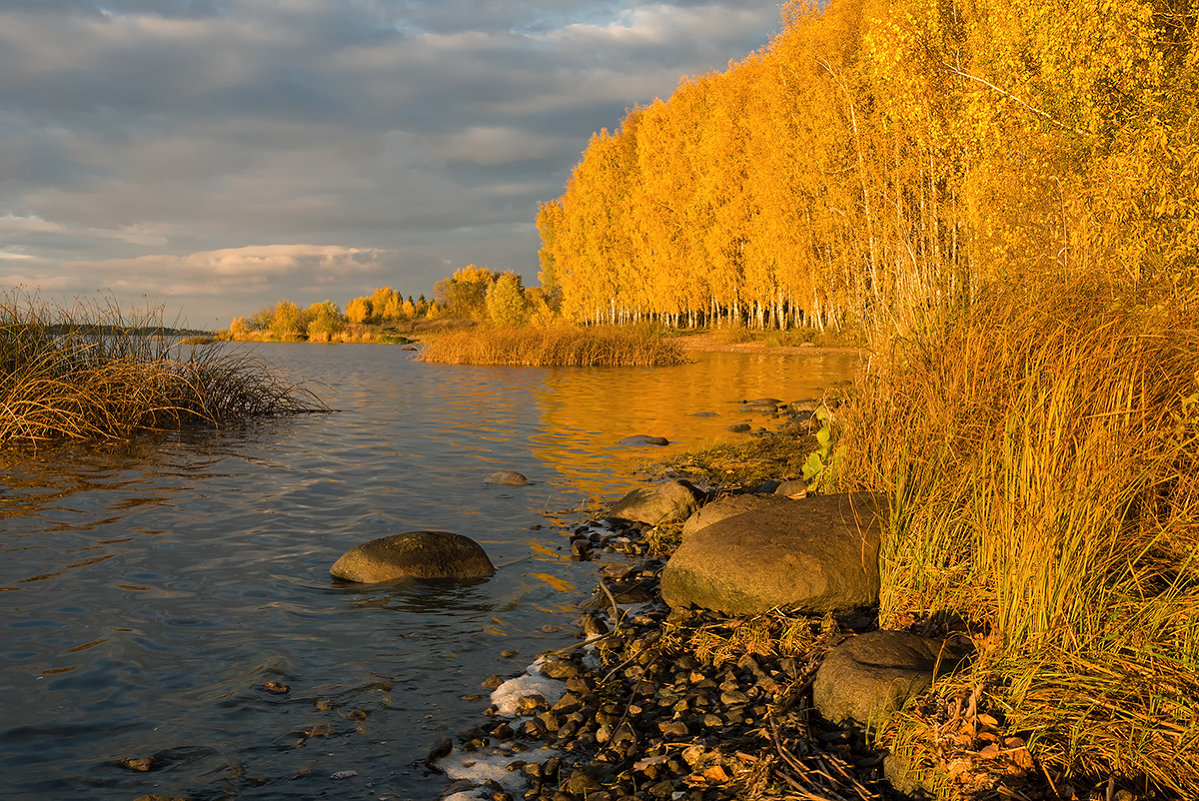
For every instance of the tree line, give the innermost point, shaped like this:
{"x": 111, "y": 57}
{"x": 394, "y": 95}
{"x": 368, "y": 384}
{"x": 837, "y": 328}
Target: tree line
{"x": 883, "y": 155}
{"x": 471, "y": 293}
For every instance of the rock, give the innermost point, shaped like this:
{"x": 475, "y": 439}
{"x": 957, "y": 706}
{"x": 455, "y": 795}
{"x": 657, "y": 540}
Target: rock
{"x": 866, "y": 678}
{"x": 730, "y": 506}
{"x": 792, "y": 488}
{"x": 415, "y": 554}
{"x": 660, "y": 503}
{"x": 804, "y": 405}
{"x": 739, "y": 428}
{"x": 507, "y": 478}
{"x": 440, "y": 750}
{"x": 641, "y": 441}
{"x": 815, "y": 555}
{"x": 895, "y": 768}
{"x": 580, "y": 784}
{"x": 759, "y": 407}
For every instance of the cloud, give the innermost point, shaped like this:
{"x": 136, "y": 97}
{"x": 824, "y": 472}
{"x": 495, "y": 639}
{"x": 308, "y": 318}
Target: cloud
{"x": 152, "y": 144}
{"x": 246, "y": 268}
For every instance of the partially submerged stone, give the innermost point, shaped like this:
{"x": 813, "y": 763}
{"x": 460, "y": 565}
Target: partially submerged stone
{"x": 414, "y": 554}
{"x": 865, "y": 679}
{"x": 667, "y": 502}
{"x": 507, "y": 478}
{"x": 642, "y": 441}
{"x": 815, "y": 555}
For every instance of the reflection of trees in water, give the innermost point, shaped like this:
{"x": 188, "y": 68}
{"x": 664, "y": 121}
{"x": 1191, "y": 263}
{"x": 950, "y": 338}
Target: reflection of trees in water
{"x": 585, "y": 412}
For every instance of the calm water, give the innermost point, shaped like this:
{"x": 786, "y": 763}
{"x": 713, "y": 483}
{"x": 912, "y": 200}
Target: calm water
{"x": 148, "y": 592}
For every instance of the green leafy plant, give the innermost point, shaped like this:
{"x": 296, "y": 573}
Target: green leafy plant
{"x": 824, "y": 463}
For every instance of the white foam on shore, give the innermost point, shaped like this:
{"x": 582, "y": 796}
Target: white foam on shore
{"x": 507, "y": 696}
{"x": 482, "y": 766}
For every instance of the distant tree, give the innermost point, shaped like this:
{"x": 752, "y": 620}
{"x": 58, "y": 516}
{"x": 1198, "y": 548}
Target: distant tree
{"x": 505, "y": 301}
{"x": 465, "y": 293}
{"x": 288, "y": 322}
{"x": 386, "y": 305}
{"x": 325, "y": 321}
{"x": 240, "y": 328}
{"x": 359, "y": 310}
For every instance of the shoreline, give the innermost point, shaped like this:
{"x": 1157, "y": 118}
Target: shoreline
{"x": 688, "y": 704}
{"x": 640, "y": 712}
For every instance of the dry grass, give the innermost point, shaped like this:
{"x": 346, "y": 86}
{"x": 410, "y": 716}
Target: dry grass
{"x": 556, "y": 346}
{"x": 1041, "y": 453}
{"x": 95, "y": 374}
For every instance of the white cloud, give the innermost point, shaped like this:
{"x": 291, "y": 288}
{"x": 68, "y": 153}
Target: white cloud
{"x": 228, "y": 268}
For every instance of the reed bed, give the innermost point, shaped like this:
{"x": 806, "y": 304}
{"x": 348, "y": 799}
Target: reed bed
{"x": 556, "y": 346}
{"x": 96, "y": 374}
{"x": 1041, "y": 454}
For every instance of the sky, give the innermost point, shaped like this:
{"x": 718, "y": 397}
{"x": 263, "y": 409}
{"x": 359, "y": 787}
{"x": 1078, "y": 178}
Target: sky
{"x": 210, "y": 157}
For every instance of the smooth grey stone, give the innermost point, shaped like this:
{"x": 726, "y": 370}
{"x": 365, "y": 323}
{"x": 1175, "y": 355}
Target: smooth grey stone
{"x": 414, "y": 554}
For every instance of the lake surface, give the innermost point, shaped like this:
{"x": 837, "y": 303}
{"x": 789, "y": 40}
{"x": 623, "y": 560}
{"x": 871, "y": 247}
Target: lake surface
{"x": 149, "y": 591}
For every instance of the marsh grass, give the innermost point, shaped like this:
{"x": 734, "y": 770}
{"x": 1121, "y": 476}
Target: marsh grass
{"x": 1041, "y": 454}
{"x": 556, "y": 346}
{"x": 96, "y": 374}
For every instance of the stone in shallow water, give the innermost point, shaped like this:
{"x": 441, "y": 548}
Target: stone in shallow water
{"x": 414, "y": 554}
{"x": 642, "y": 440}
{"x": 507, "y": 478}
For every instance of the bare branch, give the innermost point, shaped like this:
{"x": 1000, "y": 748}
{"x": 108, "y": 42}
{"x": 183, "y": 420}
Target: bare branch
{"x": 1031, "y": 108}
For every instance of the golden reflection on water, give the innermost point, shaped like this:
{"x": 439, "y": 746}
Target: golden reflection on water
{"x": 586, "y": 413}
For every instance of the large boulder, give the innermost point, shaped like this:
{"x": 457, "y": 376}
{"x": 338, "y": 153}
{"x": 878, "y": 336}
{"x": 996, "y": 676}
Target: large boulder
{"x": 865, "y": 679}
{"x": 415, "y": 554}
{"x": 731, "y": 506}
{"x": 815, "y": 555}
{"x": 667, "y": 502}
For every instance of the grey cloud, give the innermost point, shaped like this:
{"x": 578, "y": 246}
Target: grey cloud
{"x": 424, "y": 130}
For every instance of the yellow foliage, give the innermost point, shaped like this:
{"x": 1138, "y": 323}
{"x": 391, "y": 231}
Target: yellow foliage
{"x": 881, "y": 156}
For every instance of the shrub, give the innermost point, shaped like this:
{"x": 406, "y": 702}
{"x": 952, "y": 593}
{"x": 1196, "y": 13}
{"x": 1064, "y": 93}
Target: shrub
{"x": 556, "y": 345}
{"x": 99, "y": 375}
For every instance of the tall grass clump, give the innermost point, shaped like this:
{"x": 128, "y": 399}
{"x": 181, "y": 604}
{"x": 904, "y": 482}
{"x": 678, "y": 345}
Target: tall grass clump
{"x": 557, "y": 346}
{"x": 1040, "y": 449}
{"x": 97, "y": 374}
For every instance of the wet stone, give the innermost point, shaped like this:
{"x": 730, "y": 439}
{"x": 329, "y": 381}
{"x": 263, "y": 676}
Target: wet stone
{"x": 560, "y": 669}
{"x": 674, "y": 728}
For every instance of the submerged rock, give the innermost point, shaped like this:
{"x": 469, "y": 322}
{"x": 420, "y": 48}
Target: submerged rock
{"x": 642, "y": 440}
{"x": 415, "y": 554}
{"x": 661, "y": 503}
{"x": 867, "y": 678}
{"x": 507, "y": 478}
{"x": 815, "y": 555}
